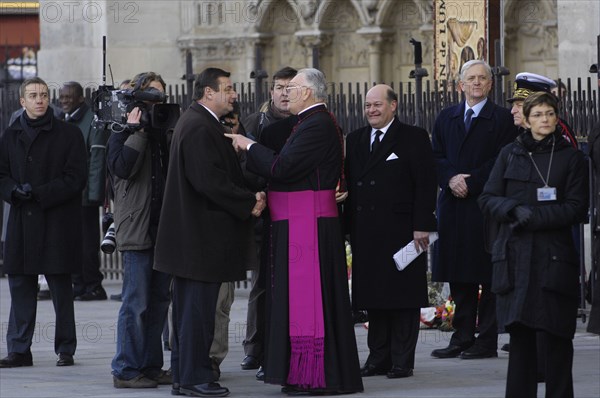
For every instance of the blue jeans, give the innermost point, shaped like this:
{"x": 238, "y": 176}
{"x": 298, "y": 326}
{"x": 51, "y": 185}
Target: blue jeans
{"x": 141, "y": 317}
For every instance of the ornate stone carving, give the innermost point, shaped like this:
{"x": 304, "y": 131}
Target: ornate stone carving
{"x": 371, "y": 7}
{"x": 291, "y": 51}
{"x": 215, "y": 48}
{"x": 308, "y": 9}
{"x": 253, "y": 8}
{"x": 352, "y": 51}
{"x": 313, "y": 40}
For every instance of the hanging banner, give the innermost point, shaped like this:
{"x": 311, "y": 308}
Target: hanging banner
{"x": 460, "y": 35}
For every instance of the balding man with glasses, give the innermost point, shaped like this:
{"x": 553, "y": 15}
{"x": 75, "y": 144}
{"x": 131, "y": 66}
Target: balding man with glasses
{"x": 309, "y": 323}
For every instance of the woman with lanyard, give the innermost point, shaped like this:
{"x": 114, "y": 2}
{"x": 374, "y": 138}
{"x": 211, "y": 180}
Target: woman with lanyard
{"x": 537, "y": 190}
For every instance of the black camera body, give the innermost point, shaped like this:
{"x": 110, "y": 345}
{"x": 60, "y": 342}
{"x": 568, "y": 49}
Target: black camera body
{"x": 111, "y": 106}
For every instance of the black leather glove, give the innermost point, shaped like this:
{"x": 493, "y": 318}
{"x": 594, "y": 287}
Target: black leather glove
{"x": 521, "y": 216}
{"x": 22, "y": 192}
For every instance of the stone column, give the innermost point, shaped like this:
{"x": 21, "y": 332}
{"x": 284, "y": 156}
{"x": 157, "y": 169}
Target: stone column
{"x": 374, "y": 36}
{"x": 312, "y": 42}
{"x": 255, "y": 62}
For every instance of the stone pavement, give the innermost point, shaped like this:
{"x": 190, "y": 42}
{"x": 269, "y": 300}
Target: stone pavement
{"x": 96, "y": 324}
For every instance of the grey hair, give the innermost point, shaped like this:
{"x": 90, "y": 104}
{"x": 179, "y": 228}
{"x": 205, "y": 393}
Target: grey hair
{"x": 474, "y": 62}
{"x": 316, "y": 79}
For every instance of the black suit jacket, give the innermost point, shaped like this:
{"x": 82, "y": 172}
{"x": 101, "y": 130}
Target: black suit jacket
{"x": 392, "y": 193}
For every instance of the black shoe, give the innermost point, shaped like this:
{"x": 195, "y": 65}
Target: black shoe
{"x": 250, "y": 362}
{"x": 16, "y": 360}
{"x": 204, "y": 390}
{"x": 371, "y": 370}
{"x": 397, "y": 372}
{"x": 506, "y": 347}
{"x": 139, "y": 381}
{"x": 260, "y": 375}
{"x": 93, "y": 295}
{"x": 478, "y": 352}
{"x": 162, "y": 377}
{"x": 116, "y": 297}
{"x": 294, "y": 391}
{"x": 65, "y": 360}
{"x": 44, "y": 295}
{"x": 175, "y": 389}
{"x": 452, "y": 351}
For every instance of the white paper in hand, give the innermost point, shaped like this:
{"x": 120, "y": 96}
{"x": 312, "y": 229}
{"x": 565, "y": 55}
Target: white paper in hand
{"x": 408, "y": 253}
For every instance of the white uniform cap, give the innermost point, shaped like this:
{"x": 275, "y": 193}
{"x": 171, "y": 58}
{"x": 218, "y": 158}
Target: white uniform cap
{"x": 535, "y": 78}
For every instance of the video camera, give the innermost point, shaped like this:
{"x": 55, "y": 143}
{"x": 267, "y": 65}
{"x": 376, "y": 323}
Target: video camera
{"x": 111, "y": 106}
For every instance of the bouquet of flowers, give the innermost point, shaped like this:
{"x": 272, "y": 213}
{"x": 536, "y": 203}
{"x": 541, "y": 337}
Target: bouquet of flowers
{"x": 442, "y": 311}
{"x": 445, "y": 313}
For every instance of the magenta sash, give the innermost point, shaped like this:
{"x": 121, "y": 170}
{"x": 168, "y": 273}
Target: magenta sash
{"x": 306, "y": 323}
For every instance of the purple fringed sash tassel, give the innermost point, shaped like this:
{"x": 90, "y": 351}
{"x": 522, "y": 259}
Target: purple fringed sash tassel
{"x": 306, "y": 322}
{"x": 307, "y": 362}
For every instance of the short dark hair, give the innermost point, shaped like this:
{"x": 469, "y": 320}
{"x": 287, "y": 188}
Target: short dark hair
{"x": 284, "y": 73}
{"x": 27, "y": 82}
{"x": 76, "y": 87}
{"x": 209, "y": 77}
{"x": 539, "y": 98}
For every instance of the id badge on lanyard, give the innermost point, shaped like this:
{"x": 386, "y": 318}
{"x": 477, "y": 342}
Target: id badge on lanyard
{"x": 546, "y": 194}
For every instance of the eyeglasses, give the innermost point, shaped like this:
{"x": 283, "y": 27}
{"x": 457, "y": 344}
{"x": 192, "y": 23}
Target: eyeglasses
{"x": 537, "y": 115}
{"x": 289, "y": 89}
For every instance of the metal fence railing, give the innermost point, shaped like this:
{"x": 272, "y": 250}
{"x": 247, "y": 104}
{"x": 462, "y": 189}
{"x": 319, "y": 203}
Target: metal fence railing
{"x": 580, "y": 108}
{"x": 580, "y": 104}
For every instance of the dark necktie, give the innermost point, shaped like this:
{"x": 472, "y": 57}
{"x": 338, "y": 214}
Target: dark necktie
{"x": 376, "y": 141}
{"x": 468, "y": 119}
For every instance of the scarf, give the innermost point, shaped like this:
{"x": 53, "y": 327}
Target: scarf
{"x": 33, "y": 126}
{"x": 545, "y": 145}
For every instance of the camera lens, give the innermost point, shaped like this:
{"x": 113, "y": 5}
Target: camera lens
{"x": 109, "y": 242}
{"x": 107, "y": 221}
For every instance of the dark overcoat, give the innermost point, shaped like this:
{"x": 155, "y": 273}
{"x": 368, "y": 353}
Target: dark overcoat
{"x": 536, "y": 271}
{"x": 205, "y": 229}
{"x": 44, "y": 235}
{"x": 459, "y": 255}
{"x": 594, "y": 152}
{"x": 95, "y": 139}
{"x": 392, "y": 193}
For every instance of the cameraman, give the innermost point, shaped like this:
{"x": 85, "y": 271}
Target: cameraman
{"x": 137, "y": 164}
